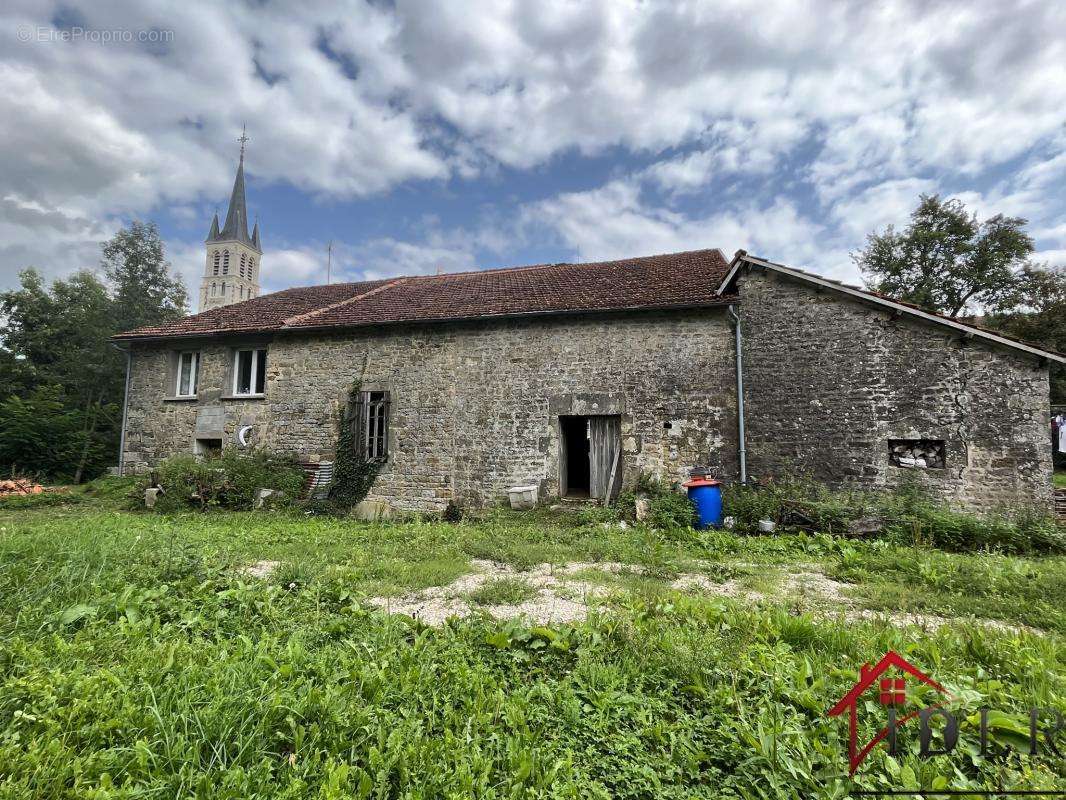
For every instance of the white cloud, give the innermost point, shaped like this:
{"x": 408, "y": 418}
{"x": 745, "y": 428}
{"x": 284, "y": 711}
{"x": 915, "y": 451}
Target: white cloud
{"x": 615, "y": 222}
{"x": 872, "y": 209}
{"x": 859, "y": 103}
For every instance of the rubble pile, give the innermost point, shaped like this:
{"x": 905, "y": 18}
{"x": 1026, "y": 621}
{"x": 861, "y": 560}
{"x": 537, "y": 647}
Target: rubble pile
{"x": 19, "y": 486}
{"x": 919, "y": 453}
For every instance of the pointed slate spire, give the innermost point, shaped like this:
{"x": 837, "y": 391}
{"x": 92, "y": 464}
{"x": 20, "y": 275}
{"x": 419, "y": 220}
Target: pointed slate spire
{"x": 236, "y": 227}
{"x": 214, "y": 229}
{"x": 255, "y": 236}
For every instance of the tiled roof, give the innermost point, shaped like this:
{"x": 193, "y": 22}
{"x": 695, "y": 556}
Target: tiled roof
{"x": 664, "y": 281}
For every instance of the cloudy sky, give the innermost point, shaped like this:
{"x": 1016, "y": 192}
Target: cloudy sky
{"x": 420, "y": 135}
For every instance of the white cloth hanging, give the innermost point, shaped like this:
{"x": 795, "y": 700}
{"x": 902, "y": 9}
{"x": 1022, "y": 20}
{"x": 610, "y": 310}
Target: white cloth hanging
{"x": 1062, "y": 432}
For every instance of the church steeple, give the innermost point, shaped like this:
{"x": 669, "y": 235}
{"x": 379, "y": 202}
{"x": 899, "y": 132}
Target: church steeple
{"x": 236, "y": 227}
{"x": 231, "y": 273}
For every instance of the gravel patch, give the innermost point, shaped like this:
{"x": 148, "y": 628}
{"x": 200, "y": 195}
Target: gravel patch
{"x": 558, "y": 598}
{"x": 261, "y": 569}
{"x": 561, "y": 597}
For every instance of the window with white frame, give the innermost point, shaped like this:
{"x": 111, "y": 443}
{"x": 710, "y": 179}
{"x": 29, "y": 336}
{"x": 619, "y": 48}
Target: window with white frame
{"x": 372, "y": 415}
{"x": 187, "y": 375}
{"x": 249, "y": 372}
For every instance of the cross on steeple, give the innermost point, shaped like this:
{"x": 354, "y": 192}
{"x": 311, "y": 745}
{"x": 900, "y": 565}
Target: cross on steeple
{"x": 243, "y": 139}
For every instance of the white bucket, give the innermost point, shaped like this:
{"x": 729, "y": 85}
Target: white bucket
{"x": 522, "y": 497}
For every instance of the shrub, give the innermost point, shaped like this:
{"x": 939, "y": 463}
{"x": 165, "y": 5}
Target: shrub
{"x": 671, "y": 511}
{"x": 452, "y": 513}
{"x": 600, "y": 515}
{"x": 228, "y": 481}
{"x": 353, "y": 475}
{"x": 667, "y": 508}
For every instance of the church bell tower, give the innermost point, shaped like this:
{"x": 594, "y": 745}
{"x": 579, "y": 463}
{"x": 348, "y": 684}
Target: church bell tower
{"x": 231, "y": 272}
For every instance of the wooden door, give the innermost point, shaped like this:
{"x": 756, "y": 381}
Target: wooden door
{"x": 605, "y": 448}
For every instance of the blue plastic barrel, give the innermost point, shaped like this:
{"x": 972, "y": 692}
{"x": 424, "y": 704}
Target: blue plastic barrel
{"x": 706, "y": 495}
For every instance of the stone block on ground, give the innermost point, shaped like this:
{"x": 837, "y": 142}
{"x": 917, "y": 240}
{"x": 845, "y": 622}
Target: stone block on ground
{"x": 151, "y": 495}
{"x": 266, "y": 498}
{"x": 372, "y": 510}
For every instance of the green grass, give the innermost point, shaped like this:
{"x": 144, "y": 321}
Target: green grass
{"x": 502, "y": 592}
{"x": 1060, "y": 480}
{"x": 1019, "y": 590}
{"x": 138, "y": 661}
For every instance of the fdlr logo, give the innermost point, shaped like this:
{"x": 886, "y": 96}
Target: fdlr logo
{"x": 891, "y": 693}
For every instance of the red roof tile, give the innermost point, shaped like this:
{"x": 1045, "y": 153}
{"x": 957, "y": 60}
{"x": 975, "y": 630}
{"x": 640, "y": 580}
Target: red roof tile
{"x": 664, "y": 281}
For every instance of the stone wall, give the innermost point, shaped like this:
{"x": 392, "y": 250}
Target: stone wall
{"x": 828, "y": 381}
{"x": 474, "y": 406}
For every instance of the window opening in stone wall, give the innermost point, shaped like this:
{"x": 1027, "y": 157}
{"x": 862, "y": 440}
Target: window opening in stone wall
{"x": 373, "y": 415}
{"x": 188, "y": 372}
{"x": 249, "y": 372}
{"x": 917, "y": 453}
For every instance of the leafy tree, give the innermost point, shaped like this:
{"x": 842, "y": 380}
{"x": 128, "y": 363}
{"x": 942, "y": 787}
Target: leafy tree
{"x": 1039, "y": 316}
{"x": 144, "y": 291}
{"x": 63, "y": 333}
{"x": 61, "y": 399}
{"x": 945, "y": 259}
{"x": 43, "y": 435}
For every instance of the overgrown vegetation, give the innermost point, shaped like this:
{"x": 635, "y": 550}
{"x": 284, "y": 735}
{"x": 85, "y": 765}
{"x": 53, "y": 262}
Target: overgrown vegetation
{"x": 353, "y": 474}
{"x": 906, "y": 515}
{"x": 138, "y": 660}
{"x": 228, "y": 481}
{"x": 667, "y": 508}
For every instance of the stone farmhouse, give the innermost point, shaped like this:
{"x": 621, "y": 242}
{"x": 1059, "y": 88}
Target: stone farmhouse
{"x": 577, "y": 378}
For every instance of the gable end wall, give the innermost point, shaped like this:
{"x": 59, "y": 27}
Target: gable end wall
{"x": 828, "y": 380}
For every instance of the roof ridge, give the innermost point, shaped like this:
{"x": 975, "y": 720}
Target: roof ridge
{"x": 527, "y": 267}
{"x": 355, "y": 298}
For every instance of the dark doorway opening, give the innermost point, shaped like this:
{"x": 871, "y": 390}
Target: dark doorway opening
{"x": 574, "y": 477}
{"x": 589, "y": 464}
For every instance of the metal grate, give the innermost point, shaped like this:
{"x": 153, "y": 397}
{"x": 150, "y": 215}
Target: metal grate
{"x": 319, "y": 477}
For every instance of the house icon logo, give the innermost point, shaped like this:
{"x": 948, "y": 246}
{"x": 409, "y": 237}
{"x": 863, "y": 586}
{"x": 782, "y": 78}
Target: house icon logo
{"x": 888, "y": 681}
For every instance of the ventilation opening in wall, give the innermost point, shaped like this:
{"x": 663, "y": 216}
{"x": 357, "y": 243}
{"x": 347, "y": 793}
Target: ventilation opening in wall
{"x": 208, "y": 448}
{"x": 917, "y": 453}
